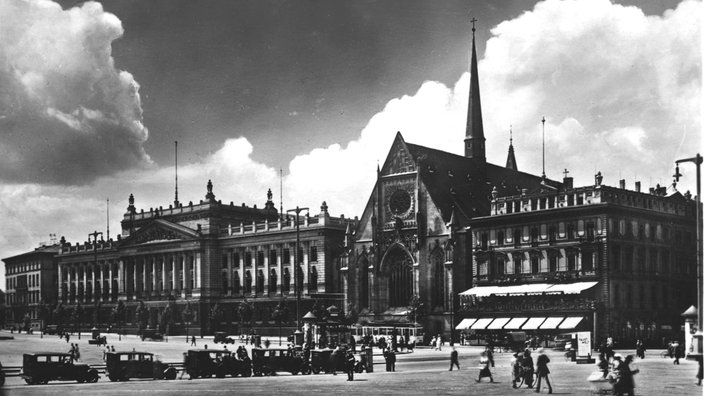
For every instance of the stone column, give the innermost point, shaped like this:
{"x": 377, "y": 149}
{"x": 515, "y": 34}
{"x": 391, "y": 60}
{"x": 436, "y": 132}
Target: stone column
{"x": 93, "y": 296}
{"x": 306, "y": 268}
{"x": 196, "y": 269}
{"x": 184, "y": 267}
{"x": 163, "y": 274}
{"x": 174, "y": 286}
{"x": 62, "y": 297}
{"x": 121, "y": 277}
{"x": 85, "y": 283}
{"x": 266, "y": 271}
{"x": 102, "y": 281}
{"x": 229, "y": 273}
{"x": 144, "y": 260}
{"x": 279, "y": 270}
{"x": 153, "y": 274}
{"x": 241, "y": 266}
{"x": 134, "y": 277}
{"x": 112, "y": 276}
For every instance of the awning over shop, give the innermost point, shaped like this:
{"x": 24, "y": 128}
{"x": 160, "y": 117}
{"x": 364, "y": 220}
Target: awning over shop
{"x": 481, "y": 324}
{"x": 515, "y": 323}
{"x": 533, "y": 323}
{"x": 551, "y": 322}
{"x": 465, "y": 324}
{"x": 570, "y": 288}
{"x": 571, "y": 322}
{"x": 530, "y": 288}
{"x": 498, "y": 323}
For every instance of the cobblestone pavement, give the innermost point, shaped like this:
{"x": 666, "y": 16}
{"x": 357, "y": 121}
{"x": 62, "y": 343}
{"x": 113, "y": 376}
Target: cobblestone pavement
{"x": 424, "y": 372}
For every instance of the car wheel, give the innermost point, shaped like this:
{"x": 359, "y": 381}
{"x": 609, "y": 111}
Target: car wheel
{"x": 170, "y": 373}
{"x": 316, "y": 369}
{"x": 92, "y": 376}
{"x": 192, "y": 376}
{"x": 247, "y": 372}
{"x": 113, "y": 378}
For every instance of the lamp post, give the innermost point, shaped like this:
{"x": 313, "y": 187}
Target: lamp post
{"x": 94, "y": 234}
{"x": 697, "y": 160}
{"x": 296, "y": 267}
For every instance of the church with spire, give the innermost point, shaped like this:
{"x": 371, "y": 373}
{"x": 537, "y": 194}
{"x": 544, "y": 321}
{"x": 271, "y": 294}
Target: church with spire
{"x": 412, "y": 253}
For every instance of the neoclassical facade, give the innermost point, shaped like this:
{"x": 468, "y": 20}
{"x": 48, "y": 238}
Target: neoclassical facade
{"x": 207, "y": 253}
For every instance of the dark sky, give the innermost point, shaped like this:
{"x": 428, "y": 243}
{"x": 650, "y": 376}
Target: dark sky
{"x": 288, "y": 75}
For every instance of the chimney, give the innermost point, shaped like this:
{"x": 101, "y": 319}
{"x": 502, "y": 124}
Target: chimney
{"x": 637, "y": 186}
{"x": 622, "y": 184}
{"x": 568, "y": 182}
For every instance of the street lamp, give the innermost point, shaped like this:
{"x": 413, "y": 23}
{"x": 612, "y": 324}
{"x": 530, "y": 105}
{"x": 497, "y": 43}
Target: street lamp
{"x": 94, "y": 234}
{"x": 697, "y": 160}
{"x": 296, "y": 267}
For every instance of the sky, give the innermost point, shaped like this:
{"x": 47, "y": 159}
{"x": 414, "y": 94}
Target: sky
{"x": 94, "y": 94}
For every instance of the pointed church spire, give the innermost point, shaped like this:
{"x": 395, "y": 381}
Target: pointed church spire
{"x": 511, "y": 160}
{"x": 474, "y": 140}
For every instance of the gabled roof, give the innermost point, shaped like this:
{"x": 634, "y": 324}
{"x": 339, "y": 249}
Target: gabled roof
{"x": 159, "y": 230}
{"x": 453, "y": 181}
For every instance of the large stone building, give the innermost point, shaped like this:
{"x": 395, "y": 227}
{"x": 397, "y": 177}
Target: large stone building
{"x": 192, "y": 257}
{"x": 31, "y": 286}
{"x": 411, "y": 245}
{"x": 616, "y": 262}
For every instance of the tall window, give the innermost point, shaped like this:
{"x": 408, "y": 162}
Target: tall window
{"x": 534, "y": 263}
{"x": 571, "y": 262}
{"x": 436, "y": 262}
{"x": 313, "y": 253}
{"x": 287, "y": 256}
{"x": 363, "y": 265}
{"x": 500, "y": 266}
{"x": 397, "y": 266}
{"x": 313, "y": 279}
{"x": 248, "y": 282}
{"x": 588, "y": 261}
{"x": 629, "y": 296}
{"x": 272, "y": 257}
{"x": 286, "y": 285}
{"x": 224, "y": 282}
{"x": 553, "y": 263}
{"x": 236, "y": 283}
{"x": 260, "y": 282}
{"x": 248, "y": 259}
{"x": 616, "y": 258}
{"x": 272, "y": 281}
{"x": 260, "y": 257}
{"x": 641, "y": 296}
{"x": 500, "y": 237}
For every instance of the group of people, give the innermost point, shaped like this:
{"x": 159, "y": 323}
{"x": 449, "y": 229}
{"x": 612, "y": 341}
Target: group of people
{"x": 390, "y": 359}
{"x": 108, "y": 349}
{"x": 522, "y": 368}
{"x": 619, "y": 372}
{"x": 75, "y": 352}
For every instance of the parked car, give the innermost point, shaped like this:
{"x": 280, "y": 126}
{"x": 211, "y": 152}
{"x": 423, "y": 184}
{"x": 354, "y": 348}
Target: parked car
{"x": 2, "y": 376}
{"x": 208, "y": 362}
{"x": 266, "y": 361}
{"x": 40, "y": 368}
{"x": 121, "y": 366}
{"x": 50, "y": 329}
{"x": 152, "y": 334}
{"x": 221, "y": 336}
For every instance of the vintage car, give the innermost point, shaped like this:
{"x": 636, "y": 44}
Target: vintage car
{"x": 221, "y": 336}
{"x": 2, "y": 376}
{"x": 208, "y": 362}
{"x": 267, "y": 361}
{"x": 40, "y": 368}
{"x": 152, "y": 334}
{"x": 50, "y": 329}
{"x": 121, "y": 366}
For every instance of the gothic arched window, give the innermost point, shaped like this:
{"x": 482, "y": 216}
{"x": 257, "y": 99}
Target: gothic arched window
{"x": 398, "y": 266}
{"x": 436, "y": 264}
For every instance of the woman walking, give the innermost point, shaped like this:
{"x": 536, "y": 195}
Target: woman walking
{"x": 624, "y": 383}
{"x": 484, "y": 371}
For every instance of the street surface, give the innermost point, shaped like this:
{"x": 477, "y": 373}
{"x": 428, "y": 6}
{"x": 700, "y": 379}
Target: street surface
{"x": 423, "y": 372}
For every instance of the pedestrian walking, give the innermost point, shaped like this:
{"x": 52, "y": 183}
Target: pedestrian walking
{"x": 490, "y": 354}
{"x": 77, "y": 352}
{"x": 334, "y": 358}
{"x": 515, "y": 369}
{"x": 387, "y": 359}
{"x": 349, "y": 366}
{"x": 676, "y": 351}
{"x": 542, "y": 370}
{"x": 454, "y": 359}
{"x": 700, "y": 359}
{"x": 484, "y": 371}
{"x": 625, "y": 384}
{"x": 640, "y": 349}
{"x": 527, "y": 366}
{"x": 438, "y": 343}
{"x": 193, "y": 341}
{"x": 392, "y": 356}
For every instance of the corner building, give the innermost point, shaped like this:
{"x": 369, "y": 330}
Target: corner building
{"x": 616, "y": 262}
{"x": 199, "y": 255}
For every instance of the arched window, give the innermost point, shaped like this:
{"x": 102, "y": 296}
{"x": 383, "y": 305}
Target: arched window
{"x": 272, "y": 281}
{"x": 286, "y": 285}
{"x": 313, "y": 279}
{"x": 397, "y": 266}
{"x": 248, "y": 282}
{"x": 438, "y": 276}
{"x": 236, "y": 283}
{"x": 260, "y": 282}
{"x": 225, "y": 286}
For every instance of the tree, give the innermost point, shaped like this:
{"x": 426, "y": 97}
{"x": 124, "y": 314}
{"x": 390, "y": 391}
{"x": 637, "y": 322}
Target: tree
{"x": 26, "y": 322}
{"x": 118, "y": 314}
{"x": 142, "y": 315}
{"x": 245, "y": 311}
{"x": 77, "y": 317}
{"x": 280, "y": 315}
{"x": 59, "y": 315}
{"x": 187, "y": 316}
{"x": 215, "y": 317}
{"x": 167, "y": 319}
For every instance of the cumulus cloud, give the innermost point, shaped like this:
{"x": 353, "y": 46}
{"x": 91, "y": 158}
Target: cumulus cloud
{"x": 67, "y": 115}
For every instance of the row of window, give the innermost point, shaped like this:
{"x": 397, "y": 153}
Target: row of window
{"x": 541, "y": 232}
{"x": 286, "y": 257}
{"x": 647, "y": 297}
{"x": 541, "y": 203}
{"x": 537, "y": 264}
{"x": 630, "y": 259}
{"x": 32, "y": 297}
{"x": 237, "y": 287}
{"x": 646, "y": 231}
{"x": 24, "y": 267}
{"x": 22, "y": 281}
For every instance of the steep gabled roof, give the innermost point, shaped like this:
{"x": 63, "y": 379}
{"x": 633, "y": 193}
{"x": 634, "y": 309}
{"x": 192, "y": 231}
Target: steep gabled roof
{"x": 454, "y": 181}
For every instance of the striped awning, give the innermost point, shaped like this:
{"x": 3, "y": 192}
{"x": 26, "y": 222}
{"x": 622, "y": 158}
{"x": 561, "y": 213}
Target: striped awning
{"x": 465, "y": 324}
{"x": 515, "y": 323}
{"x": 481, "y": 324}
{"x": 533, "y": 323}
{"x": 551, "y": 322}
{"x": 571, "y": 322}
{"x": 498, "y": 323}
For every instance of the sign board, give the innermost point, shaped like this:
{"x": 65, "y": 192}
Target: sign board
{"x": 584, "y": 343}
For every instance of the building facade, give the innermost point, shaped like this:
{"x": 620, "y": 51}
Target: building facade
{"x": 196, "y": 256}
{"x": 31, "y": 286}
{"x": 616, "y": 262}
{"x": 412, "y": 252}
